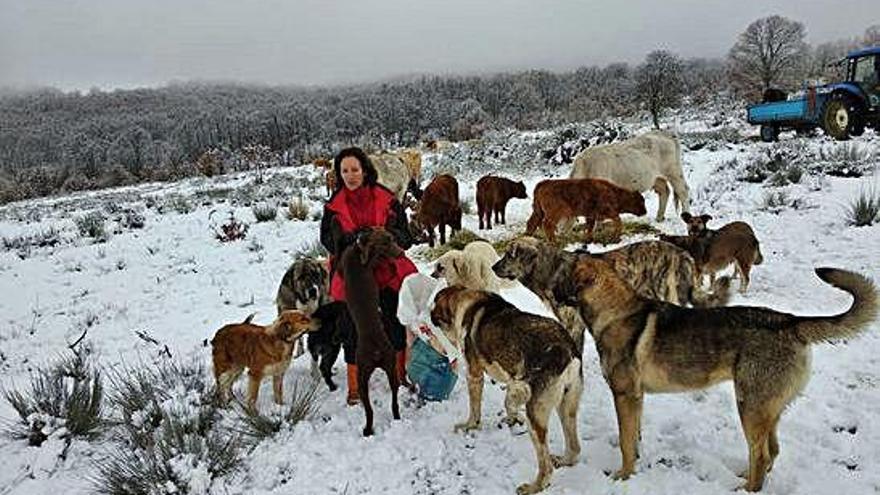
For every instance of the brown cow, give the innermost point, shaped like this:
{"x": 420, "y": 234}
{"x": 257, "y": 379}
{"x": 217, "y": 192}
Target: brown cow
{"x": 439, "y": 207}
{"x": 493, "y": 193}
{"x": 595, "y": 199}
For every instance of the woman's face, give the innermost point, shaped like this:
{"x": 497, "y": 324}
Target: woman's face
{"x": 352, "y": 172}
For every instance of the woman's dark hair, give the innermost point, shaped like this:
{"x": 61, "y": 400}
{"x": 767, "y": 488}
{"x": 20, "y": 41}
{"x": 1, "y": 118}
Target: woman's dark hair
{"x": 370, "y": 175}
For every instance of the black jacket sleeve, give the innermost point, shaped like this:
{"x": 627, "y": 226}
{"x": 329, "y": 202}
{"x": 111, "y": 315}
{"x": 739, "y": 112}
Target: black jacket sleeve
{"x": 398, "y": 225}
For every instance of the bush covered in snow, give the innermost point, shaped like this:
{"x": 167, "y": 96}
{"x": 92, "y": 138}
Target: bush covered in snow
{"x": 65, "y": 398}
{"x": 166, "y": 438}
{"x": 264, "y": 212}
{"x": 864, "y": 209}
{"x": 92, "y": 225}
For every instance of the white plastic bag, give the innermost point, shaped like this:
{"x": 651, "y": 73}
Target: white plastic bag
{"x": 414, "y": 311}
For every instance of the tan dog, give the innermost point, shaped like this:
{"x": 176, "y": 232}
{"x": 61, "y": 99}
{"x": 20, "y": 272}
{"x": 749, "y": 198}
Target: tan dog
{"x": 646, "y": 345}
{"x": 263, "y": 350}
{"x": 715, "y": 250}
{"x": 470, "y": 267}
{"x": 533, "y": 355}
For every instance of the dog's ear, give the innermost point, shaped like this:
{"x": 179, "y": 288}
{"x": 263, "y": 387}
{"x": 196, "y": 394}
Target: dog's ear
{"x": 705, "y": 218}
{"x": 686, "y": 216}
{"x": 367, "y": 250}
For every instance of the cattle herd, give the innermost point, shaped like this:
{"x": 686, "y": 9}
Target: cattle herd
{"x": 655, "y": 309}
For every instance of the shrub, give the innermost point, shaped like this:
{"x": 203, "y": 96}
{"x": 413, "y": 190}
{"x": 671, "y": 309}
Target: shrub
{"x": 232, "y": 230}
{"x": 131, "y": 219}
{"x": 467, "y": 206}
{"x": 264, "y": 212}
{"x": 844, "y": 160}
{"x": 165, "y": 431}
{"x": 66, "y": 397}
{"x": 456, "y": 241}
{"x": 185, "y": 459}
{"x": 864, "y": 210}
{"x": 305, "y": 402}
{"x": 92, "y": 225}
{"x": 178, "y": 203}
{"x": 297, "y": 209}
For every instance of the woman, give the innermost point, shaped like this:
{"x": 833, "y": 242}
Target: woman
{"x": 359, "y": 203}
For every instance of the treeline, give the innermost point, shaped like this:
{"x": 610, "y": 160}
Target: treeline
{"x": 52, "y": 141}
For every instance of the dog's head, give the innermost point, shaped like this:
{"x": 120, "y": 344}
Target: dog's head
{"x": 291, "y": 325}
{"x": 377, "y": 244}
{"x": 518, "y": 190}
{"x": 447, "y": 303}
{"x": 595, "y": 286}
{"x": 633, "y": 202}
{"x": 450, "y": 266}
{"x": 696, "y": 224}
{"x": 519, "y": 260}
{"x": 309, "y": 283}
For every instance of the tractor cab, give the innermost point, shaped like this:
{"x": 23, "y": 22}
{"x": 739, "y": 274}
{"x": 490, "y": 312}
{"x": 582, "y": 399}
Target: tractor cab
{"x": 863, "y": 69}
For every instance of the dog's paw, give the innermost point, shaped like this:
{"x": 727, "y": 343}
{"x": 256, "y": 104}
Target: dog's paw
{"x": 622, "y": 474}
{"x": 528, "y": 488}
{"x": 563, "y": 461}
{"x": 466, "y": 426}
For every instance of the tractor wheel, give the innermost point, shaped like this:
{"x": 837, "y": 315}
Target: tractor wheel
{"x": 838, "y": 119}
{"x": 769, "y": 133}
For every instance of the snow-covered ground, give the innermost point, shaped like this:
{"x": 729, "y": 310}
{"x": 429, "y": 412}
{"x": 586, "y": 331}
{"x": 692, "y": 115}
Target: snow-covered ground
{"x": 174, "y": 282}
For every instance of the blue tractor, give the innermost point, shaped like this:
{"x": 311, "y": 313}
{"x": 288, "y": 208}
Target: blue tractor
{"x": 842, "y": 109}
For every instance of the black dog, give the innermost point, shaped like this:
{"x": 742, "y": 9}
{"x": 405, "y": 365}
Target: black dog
{"x": 324, "y": 344}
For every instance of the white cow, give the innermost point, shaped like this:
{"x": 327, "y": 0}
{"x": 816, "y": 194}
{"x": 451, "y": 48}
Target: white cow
{"x": 650, "y": 161}
{"x": 392, "y": 173}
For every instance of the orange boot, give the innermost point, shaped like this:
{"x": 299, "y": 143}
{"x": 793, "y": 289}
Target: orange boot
{"x": 353, "y": 397}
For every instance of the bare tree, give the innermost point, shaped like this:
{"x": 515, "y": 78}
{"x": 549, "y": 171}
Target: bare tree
{"x": 771, "y": 51}
{"x": 659, "y": 83}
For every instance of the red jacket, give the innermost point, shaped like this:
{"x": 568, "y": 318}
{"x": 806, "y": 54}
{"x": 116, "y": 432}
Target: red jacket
{"x": 387, "y": 212}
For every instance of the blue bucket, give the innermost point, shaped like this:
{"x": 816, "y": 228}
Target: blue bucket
{"x": 431, "y": 372}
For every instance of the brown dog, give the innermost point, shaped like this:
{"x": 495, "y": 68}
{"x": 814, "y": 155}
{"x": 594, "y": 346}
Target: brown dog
{"x": 595, "y": 199}
{"x": 533, "y": 355}
{"x": 263, "y": 350}
{"x": 374, "y": 348}
{"x": 646, "y": 345}
{"x": 715, "y": 250}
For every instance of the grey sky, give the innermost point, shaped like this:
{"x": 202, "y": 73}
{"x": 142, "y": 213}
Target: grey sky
{"x": 76, "y": 44}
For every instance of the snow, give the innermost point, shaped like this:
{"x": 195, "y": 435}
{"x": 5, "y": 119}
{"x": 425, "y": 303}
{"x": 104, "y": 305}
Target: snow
{"x": 173, "y": 281}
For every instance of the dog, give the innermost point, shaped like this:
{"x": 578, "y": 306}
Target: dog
{"x": 645, "y": 345}
{"x": 654, "y": 269}
{"x": 715, "y": 250}
{"x": 533, "y": 355}
{"x": 325, "y": 343}
{"x": 304, "y": 287}
{"x": 263, "y": 350}
{"x": 374, "y": 348}
{"x": 470, "y": 267}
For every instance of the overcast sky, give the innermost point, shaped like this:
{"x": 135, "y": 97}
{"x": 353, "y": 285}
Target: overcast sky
{"x": 78, "y": 44}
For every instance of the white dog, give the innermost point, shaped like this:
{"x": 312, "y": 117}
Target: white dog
{"x": 471, "y": 267}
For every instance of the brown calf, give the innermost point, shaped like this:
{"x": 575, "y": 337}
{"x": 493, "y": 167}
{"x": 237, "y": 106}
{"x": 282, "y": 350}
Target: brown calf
{"x": 493, "y": 193}
{"x": 439, "y": 207}
{"x": 595, "y": 199}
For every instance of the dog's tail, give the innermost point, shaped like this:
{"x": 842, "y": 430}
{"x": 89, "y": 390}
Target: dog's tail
{"x": 250, "y": 318}
{"x": 719, "y": 295}
{"x": 849, "y": 323}
{"x": 759, "y": 258}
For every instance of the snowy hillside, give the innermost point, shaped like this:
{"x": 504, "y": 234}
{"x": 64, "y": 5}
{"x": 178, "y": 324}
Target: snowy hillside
{"x": 147, "y": 293}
